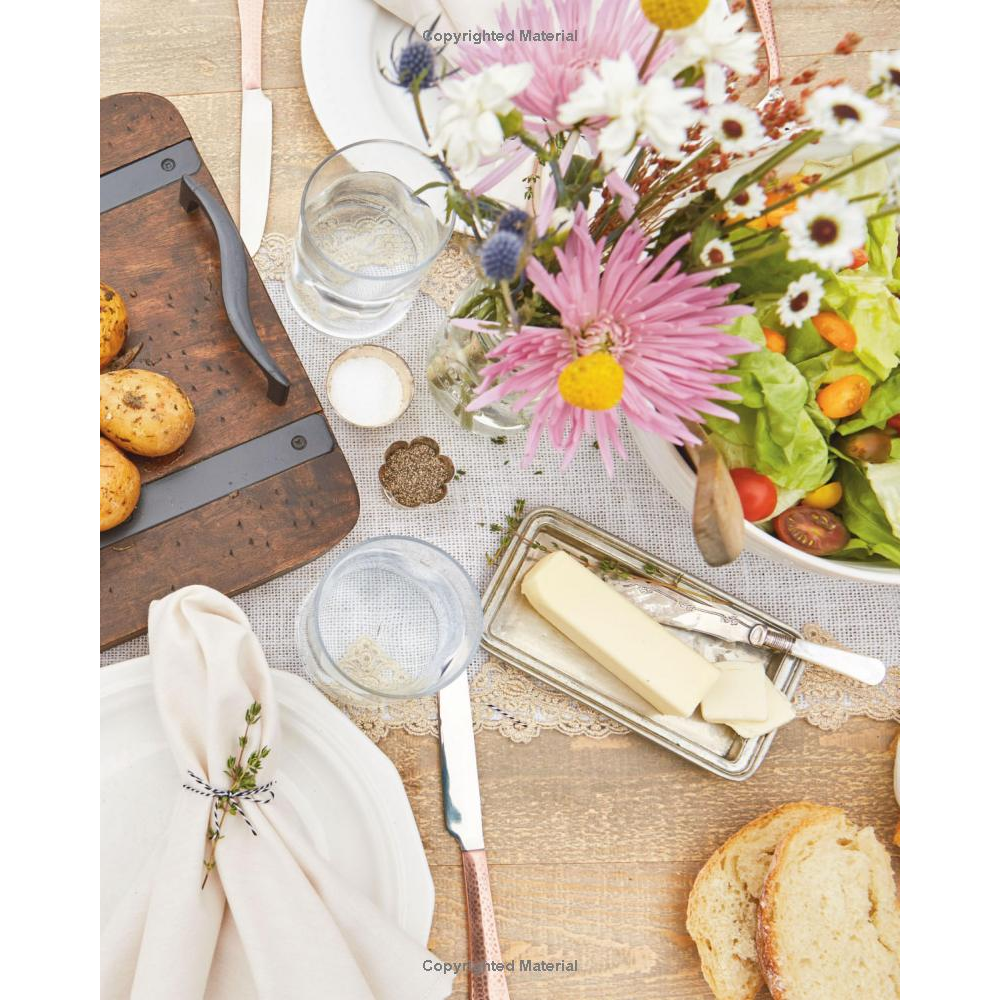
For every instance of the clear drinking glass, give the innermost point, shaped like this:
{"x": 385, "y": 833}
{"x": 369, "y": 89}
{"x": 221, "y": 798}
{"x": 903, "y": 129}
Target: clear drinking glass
{"x": 371, "y": 223}
{"x": 393, "y": 618}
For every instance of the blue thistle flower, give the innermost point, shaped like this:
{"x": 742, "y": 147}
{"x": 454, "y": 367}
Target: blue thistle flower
{"x": 514, "y": 220}
{"x": 416, "y": 62}
{"x": 501, "y": 255}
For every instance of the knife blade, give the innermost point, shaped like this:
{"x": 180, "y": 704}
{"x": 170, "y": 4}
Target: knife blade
{"x": 693, "y": 616}
{"x": 255, "y": 129}
{"x": 463, "y": 817}
{"x": 463, "y": 811}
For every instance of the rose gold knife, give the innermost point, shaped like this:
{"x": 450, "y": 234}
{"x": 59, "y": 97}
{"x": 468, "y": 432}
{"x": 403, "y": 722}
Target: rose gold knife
{"x": 463, "y": 816}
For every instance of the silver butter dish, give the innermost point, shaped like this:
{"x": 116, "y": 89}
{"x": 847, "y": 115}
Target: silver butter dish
{"x": 517, "y": 634}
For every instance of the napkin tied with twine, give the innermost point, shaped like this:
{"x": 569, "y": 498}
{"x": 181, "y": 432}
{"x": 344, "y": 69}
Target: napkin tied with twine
{"x": 274, "y": 921}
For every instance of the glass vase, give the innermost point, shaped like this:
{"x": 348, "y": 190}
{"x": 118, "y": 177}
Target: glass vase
{"x": 454, "y": 370}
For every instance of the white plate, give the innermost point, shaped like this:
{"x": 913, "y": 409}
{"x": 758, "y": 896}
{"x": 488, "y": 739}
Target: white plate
{"x": 346, "y": 791}
{"x": 341, "y": 46}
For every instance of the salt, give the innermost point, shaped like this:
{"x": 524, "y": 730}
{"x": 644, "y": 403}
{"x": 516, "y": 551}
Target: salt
{"x": 366, "y": 391}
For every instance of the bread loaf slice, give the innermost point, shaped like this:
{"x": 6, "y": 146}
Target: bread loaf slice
{"x": 722, "y": 905}
{"x": 828, "y": 919}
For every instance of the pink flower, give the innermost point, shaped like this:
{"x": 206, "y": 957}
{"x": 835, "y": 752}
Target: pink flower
{"x": 660, "y": 324}
{"x": 612, "y": 29}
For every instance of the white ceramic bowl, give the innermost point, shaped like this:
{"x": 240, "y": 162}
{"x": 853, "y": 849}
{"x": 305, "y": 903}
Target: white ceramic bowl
{"x": 670, "y": 468}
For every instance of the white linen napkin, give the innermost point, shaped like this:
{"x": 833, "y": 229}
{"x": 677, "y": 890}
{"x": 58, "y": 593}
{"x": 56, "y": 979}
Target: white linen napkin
{"x": 456, "y": 15}
{"x": 275, "y": 921}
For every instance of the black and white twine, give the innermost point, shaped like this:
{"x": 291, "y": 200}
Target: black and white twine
{"x": 222, "y": 798}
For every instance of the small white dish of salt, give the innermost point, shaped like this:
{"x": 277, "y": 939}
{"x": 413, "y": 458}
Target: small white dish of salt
{"x": 369, "y": 386}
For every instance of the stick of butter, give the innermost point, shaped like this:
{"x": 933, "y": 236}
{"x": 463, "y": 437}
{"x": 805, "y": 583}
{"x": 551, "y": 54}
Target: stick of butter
{"x": 779, "y": 711}
{"x": 672, "y": 677}
{"x": 740, "y": 693}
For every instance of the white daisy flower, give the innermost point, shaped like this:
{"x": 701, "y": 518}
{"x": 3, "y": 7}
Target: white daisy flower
{"x": 468, "y": 128}
{"x": 825, "y": 229}
{"x": 747, "y": 204}
{"x": 841, "y": 111}
{"x": 716, "y": 254}
{"x": 657, "y": 109}
{"x": 736, "y": 128}
{"x": 885, "y": 71}
{"x": 718, "y": 36}
{"x": 801, "y": 300}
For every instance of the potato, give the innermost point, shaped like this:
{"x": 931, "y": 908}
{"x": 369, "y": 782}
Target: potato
{"x": 114, "y": 324}
{"x": 119, "y": 486}
{"x": 144, "y": 412}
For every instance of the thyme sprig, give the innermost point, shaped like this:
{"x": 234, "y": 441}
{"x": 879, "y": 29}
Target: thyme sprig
{"x": 242, "y": 777}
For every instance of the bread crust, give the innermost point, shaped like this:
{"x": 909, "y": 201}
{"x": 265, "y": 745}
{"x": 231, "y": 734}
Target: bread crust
{"x": 709, "y": 870}
{"x": 767, "y": 950}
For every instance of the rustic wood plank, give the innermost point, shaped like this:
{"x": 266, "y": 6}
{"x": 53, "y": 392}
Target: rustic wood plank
{"x": 194, "y": 47}
{"x": 593, "y": 845}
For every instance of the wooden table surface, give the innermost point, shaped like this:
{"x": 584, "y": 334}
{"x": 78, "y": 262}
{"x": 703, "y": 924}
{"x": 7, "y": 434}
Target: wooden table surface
{"x": 593, "y": 843}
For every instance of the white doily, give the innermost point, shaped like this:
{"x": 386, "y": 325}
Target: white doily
{"x": 864, "y": 617}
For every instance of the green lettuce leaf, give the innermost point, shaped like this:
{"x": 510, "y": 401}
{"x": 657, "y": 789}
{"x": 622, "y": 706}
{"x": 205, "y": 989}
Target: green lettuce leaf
{"x": 775, "y": 431}
{"x": 871, "y": 308}
{"x": 864, "y": 517}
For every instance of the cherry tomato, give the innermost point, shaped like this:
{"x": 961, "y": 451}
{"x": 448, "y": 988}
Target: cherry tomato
{"x": 845, "y": 396}
{"x": 893, "y": 422}
{"x": 867, "y": 446}
{"x": 836, "y": 330}
{"x": 824, "y": 497}
{"x": 860, "y": 259}
{"x": 758, "y": 495}
{"x": 775, "y": 341}
{"x": 809, "y": 529}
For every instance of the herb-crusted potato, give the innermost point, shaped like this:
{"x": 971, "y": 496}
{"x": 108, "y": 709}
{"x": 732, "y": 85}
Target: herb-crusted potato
{"x": 144, "y": 412}
{"x": 119, "y": 486}
{"x": 114, "y": 324}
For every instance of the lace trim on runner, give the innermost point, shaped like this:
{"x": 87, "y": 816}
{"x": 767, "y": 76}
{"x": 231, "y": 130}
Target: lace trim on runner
{"x": 519, "y": 707}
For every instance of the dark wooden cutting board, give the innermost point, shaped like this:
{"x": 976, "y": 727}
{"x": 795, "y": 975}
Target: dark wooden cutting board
{"x": 165, "y": 263}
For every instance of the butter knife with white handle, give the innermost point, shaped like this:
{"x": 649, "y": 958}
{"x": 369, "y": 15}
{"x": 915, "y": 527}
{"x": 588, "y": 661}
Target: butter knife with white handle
{"x": 463, "y": 816}
{"x": 255, "y": 130}
{"x": 724, "y": 623}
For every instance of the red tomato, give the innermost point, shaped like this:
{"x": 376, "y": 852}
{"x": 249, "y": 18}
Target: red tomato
{"x": 893, "y": 422}
{"x": 758, "y": 495}
{"x": 810, "y": 529}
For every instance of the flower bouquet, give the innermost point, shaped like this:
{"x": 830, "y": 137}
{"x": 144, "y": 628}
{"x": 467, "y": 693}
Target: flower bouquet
{"x": 667, "y": 233}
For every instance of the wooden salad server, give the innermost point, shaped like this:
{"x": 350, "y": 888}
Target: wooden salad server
{"x": 717, "y": 514}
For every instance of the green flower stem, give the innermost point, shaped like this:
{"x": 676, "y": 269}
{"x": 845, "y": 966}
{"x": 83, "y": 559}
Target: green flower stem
{"x": 747, "y": 258}
{"x": 415, "y": 91}
{"x": 508, "y": 302}
{"x": 650, "y": 53}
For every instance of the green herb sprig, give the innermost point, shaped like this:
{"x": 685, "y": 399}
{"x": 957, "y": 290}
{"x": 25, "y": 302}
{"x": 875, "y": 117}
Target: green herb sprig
{"x": 242, "y": 777}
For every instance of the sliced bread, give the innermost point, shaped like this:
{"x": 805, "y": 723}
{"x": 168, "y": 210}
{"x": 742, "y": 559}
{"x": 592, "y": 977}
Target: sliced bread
{"x": 722, "y": 906}
{"x": 828, "y": 918}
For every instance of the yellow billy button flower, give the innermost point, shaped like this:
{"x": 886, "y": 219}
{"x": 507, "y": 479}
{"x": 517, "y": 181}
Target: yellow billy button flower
{"x": 592, "y": 382}
{"x": 672, "y": 15}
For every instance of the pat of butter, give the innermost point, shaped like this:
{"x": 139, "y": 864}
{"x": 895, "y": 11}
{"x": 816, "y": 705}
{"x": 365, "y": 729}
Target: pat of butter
{"x": 779, "y": 711}
{"x": 740, "y": 693}
{"x": 672, "y": 677}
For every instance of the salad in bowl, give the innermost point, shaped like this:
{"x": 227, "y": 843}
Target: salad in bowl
{"x": 815, "y": 453}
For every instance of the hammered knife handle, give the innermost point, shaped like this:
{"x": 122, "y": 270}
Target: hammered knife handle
{"x": 486, "y": 976}
{"x": 765, "y": 21}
